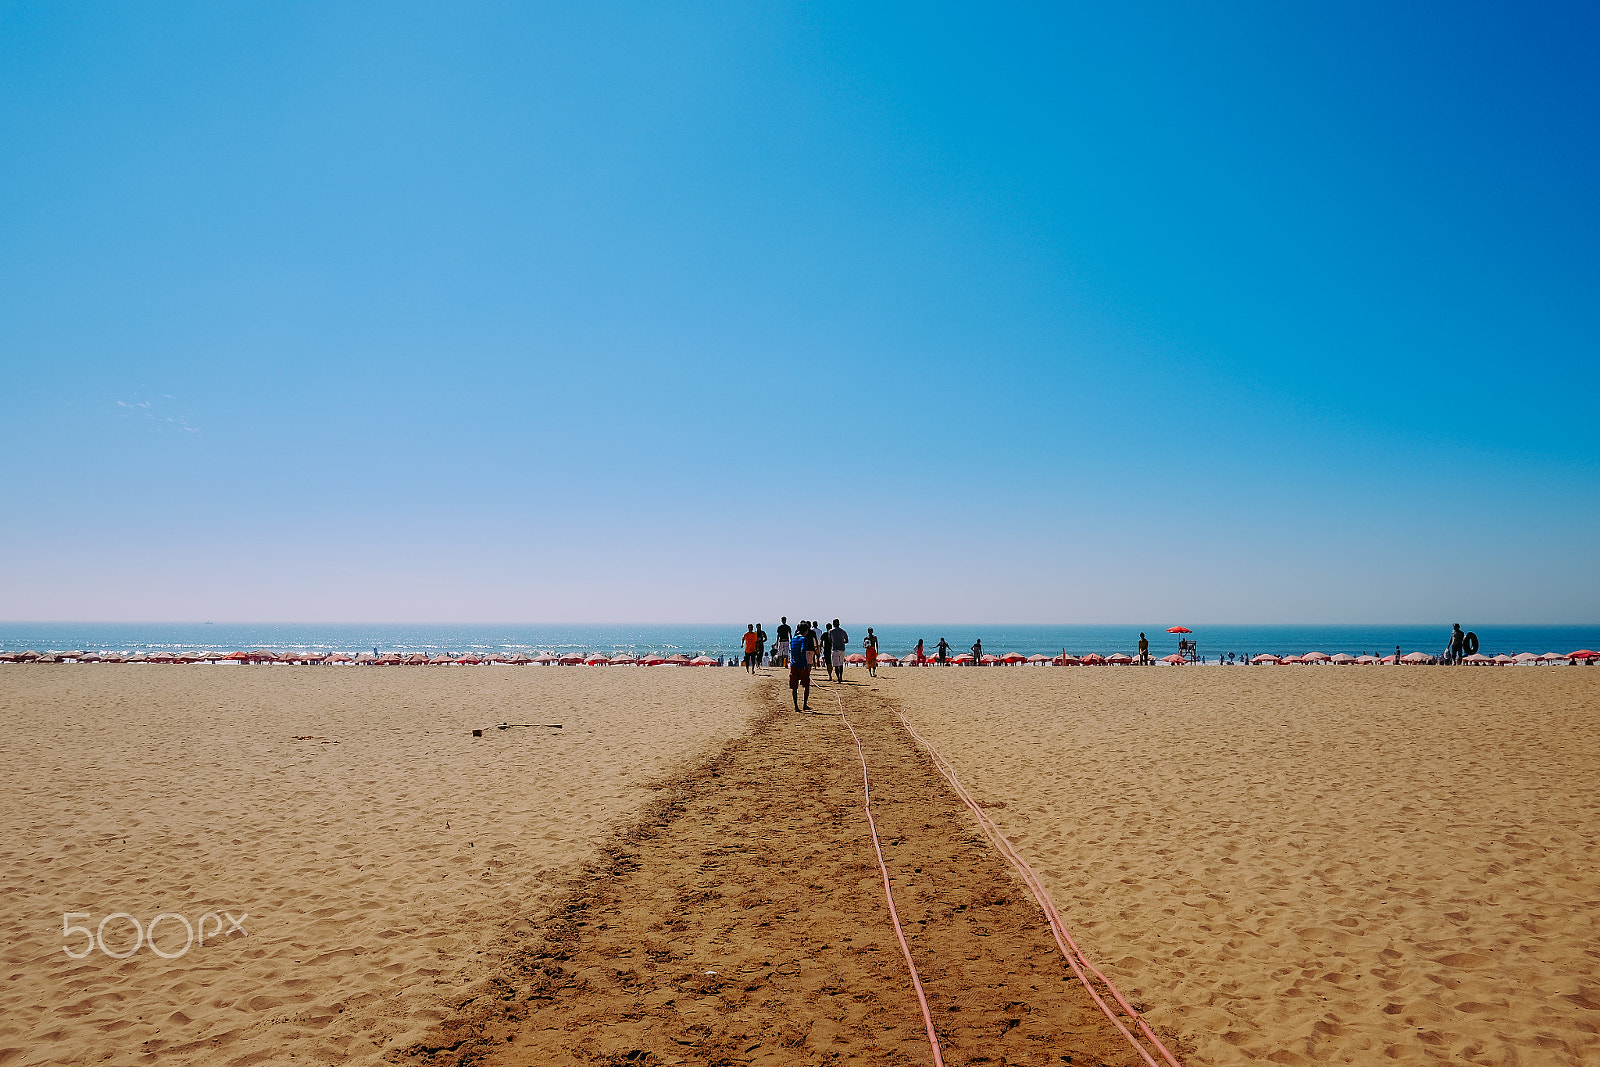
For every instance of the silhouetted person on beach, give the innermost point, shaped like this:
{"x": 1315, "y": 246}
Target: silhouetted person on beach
{"x": 1458, "y": 641}
{"x": 977, "y": 652}
{"x": 922, "y": 657}
{"x": 780, "y": 643}
{"x": 944, "y": 651}
{"x": 870, "y": 644}
{"x": 1144, "y": 651}
{"x": 836, "y": 647}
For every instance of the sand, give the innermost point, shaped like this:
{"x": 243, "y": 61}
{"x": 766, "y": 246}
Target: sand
{"x": 377, "y": 861}
{"x": 1292, "y": 865}
{"x": 1308, "y": 865}
{"x": 743, "y": 921}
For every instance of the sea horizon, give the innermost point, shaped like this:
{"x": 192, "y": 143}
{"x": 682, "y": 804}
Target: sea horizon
{"x": 723, "y": 639}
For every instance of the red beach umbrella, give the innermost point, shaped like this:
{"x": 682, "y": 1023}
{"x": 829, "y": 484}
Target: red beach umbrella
{"x": 965, "y": 657}
{"x": 702, "y": 661}
{"x": 1315, "y": 657}
{"x": 1065, "y": 660}
{"x": 1119, "y": 658}
{"x": 1179, "y": 630}
{"x": 1583, "y": 654}
{"x": 1038, "y": 659}
{"x": 855, "y": 657}
{"x": 1174, "y": 659}
{"x": 1416, "y": 657}
{"x": 1014, "y": 657}
{"x": 1094, "y": 659}
{"x": 1265, "y": 658}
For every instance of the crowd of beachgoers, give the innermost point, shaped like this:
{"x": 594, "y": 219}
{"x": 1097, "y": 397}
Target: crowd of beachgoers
{"x": 626, "y": 659}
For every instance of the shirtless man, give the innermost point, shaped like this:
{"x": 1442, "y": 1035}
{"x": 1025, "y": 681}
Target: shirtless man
{"x": 836, "y": 647}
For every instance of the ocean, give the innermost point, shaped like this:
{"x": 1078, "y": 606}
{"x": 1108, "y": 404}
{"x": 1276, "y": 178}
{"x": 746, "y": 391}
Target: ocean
{"x": 724, "y": 640}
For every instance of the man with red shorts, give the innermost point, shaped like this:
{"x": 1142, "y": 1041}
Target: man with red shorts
{"x": 799, "y": 667}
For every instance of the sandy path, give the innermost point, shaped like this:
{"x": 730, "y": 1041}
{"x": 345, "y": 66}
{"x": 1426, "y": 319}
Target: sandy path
{"x": 374, "y": 871}
{"x": 1308, "y": 865}
{"x": 743, "y": 921}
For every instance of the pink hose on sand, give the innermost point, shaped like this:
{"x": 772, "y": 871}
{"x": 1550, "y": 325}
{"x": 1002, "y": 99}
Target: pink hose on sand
{"x": 916, "y": 981}
{"x": 1069, "y": 948}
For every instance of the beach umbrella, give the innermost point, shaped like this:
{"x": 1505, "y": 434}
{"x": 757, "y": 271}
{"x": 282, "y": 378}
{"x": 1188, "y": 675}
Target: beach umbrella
{"x": 1315, "y": 657}
{"x": 469, "y": 660}
{"x": 237, "y": 657}
{"x": 1525, "y": 657}
{"x": 965, "y": 657}
{"x": 1094, "y": 659}
{"x": 619, "y": 660}
{"x": 570, "y": 659}
{"x": 988, "y": 660}
{"x": 1367, "y": 659}
{"x": 1416, "y": 657}
{"x": 1553, "y": 657}
{"x": 546, "y": 658}
{"x": 1265, "y": 658}
{"x": 855, "y": 657}
{"x": 893, "y": 661}
{"x": 1341, "y": 657}
{"x": 1179, "y": 630}
{"x": 1477, "y": 657}
{"x": 703, "y": 661}
{"x": 1289, "y": 659}
{"x": 680, "y": 659}
{"x": 416, "y": 659}
{"x": 1065, "y": 660}
{"x": 598, "y": 660}
{"x": 1014, "y": 657}
{"x": 652, "y": 660}
{"x": 1174, "y": 659}
{"x": 1503, "y": 659}
{"x": 1038, "y": 659}
{"x": 1583, "y": 654}
{"x": 1119, "y": 658}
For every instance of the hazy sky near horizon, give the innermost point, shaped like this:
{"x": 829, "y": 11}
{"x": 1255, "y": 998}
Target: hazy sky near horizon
{"x": 626, "y": 312}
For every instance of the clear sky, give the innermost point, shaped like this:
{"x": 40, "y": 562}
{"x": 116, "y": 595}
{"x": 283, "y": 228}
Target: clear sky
{"x": 678, "y": 312}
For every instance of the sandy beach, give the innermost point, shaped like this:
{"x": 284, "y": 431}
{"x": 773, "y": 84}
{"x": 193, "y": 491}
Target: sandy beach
{"x": 1292, "y": 865}
{"x": 378, "y": 859}
{"x": 1309, "y": 865}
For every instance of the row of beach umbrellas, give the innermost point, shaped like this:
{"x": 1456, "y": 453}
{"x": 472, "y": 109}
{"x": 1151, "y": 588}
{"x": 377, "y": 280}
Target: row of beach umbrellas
{"x": 596, "y": 659}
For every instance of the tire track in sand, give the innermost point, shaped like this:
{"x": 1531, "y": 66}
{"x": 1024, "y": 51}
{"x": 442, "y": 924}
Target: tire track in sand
{"x": 742, "y": 920}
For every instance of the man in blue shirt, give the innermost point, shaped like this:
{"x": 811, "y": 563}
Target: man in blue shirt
{"x": 799, "y": 667}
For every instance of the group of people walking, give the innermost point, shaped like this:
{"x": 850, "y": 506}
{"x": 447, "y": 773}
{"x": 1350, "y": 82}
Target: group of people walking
{"x": 802, "y": 648}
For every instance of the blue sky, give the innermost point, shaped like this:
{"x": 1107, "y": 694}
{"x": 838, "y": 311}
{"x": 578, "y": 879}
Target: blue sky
{"x": 479, "y": 312}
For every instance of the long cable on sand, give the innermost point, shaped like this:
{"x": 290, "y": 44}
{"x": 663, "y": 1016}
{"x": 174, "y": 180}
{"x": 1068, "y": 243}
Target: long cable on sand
{"x": 883, "y": 868}
{"x": 1069, "y": 948}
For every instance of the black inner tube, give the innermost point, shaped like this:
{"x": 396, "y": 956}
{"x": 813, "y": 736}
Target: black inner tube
{"x": 1470, "y": 645}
